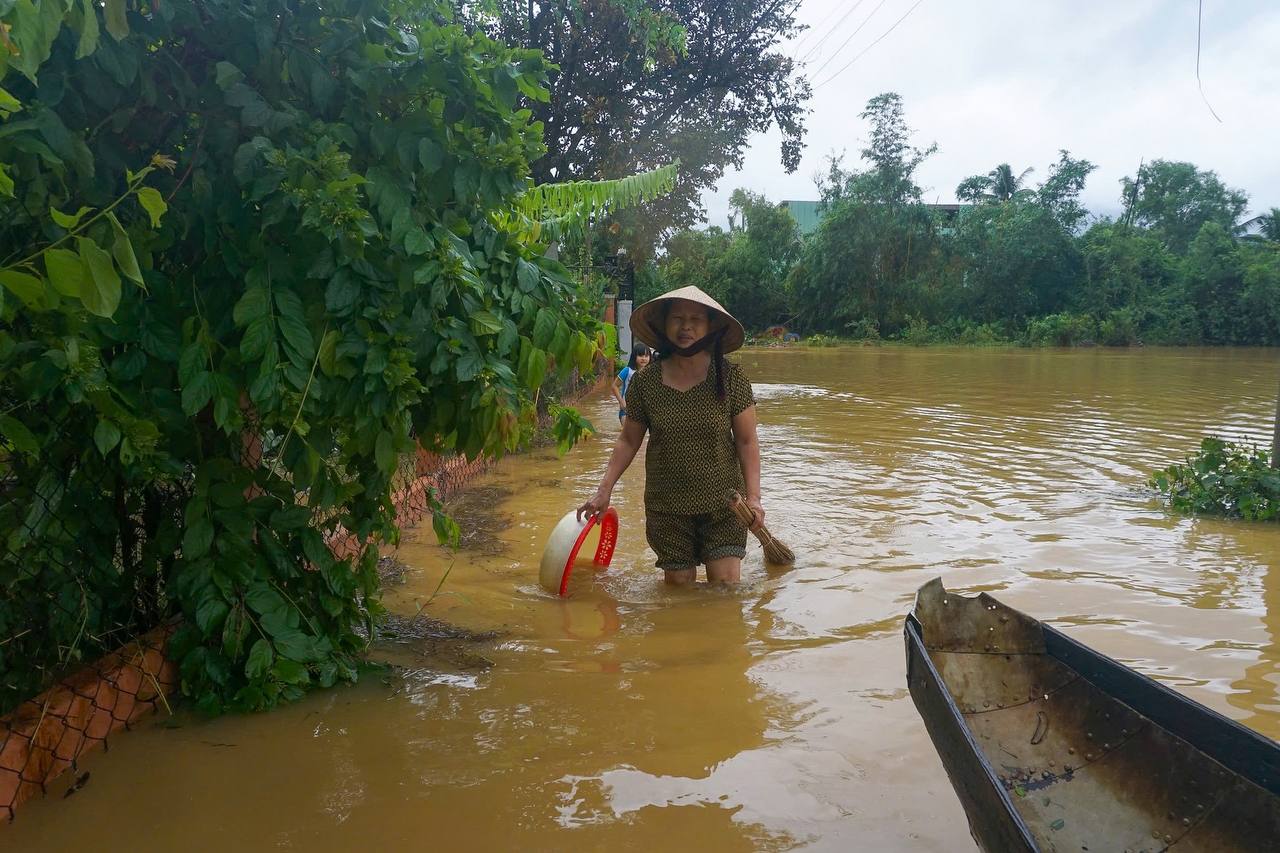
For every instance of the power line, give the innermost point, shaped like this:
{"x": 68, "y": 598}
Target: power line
{"x": 818, "y": 46}
{"x": 1199, "y": 26}
{"x": 885, "y": 34}
{"x": 809, "y": 33}
{"x": 849, "y": 39}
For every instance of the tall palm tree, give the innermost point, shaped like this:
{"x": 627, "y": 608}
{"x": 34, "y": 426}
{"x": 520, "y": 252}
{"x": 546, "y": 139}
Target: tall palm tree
{"x": 997, "y": 186}
{"x": 1004, "y": 185}
{"x": 1270, "y": 225}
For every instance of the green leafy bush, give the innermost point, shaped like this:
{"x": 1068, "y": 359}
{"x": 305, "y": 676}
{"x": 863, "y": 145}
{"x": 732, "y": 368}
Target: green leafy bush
{"x": 1061, "y": 330}
{"x": 319, "y": 259}
{"x": 864, "y": 329}
{"x": 1119, "y": 328}
{"x": 918, "y": 332}
{"x": 1223, "y": 479}
{"x": 980, "y": 335}
{"x": 568, "y": 427}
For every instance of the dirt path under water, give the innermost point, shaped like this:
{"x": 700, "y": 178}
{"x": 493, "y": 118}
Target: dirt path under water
{"x": 775, "y": 716}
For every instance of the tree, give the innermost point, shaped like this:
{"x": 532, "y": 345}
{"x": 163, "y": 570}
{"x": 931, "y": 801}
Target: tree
{"x": 1259, "y": 304}
{"x": 223, "y": 222}
{"x": 870, "y": 256}
{"x": 745, "y": 269}
{"x": 646, "y": 83}
{"x": 1175, "y": 199}
{"x": 892, "y": 160}
{"x": 1019, "y": 261}
{"x": 1123, "y": 269}
{"x": 691, "y": 257}
{"x": 758, "y": 259}
{"x": 1060, "y": 192}
{"x": 998, "y": 185}
{"x": 1213, "y": 280}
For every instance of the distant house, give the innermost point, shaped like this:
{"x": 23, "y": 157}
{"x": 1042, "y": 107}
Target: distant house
{"x": 1252, "y": 228}
{"x": 808, "y": 217}
{"x": 805, "y": 214}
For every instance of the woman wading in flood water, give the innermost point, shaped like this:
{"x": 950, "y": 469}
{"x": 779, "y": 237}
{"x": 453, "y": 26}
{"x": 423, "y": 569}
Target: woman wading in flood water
{"x": 700, "y": 415}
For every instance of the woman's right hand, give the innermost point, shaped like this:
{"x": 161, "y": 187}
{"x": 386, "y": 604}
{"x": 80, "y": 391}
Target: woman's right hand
{"x": 596, "y": 505}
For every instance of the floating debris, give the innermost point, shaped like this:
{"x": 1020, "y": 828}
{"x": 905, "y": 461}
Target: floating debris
{"x": 405, "y": 639}
{"x": 391, "y": 571}
{"x": 474, "y": 511}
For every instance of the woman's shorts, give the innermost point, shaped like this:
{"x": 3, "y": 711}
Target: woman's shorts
{"x": 683, "y": 541}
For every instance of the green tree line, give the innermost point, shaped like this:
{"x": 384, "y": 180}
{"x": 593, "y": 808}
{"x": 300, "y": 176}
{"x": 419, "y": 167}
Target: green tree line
{"x": 1021, "y": 261}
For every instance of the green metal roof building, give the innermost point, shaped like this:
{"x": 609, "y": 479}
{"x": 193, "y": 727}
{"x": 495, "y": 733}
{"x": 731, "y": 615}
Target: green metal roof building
{"x": 808, "y": 217}
{"x": 805, "y": 213}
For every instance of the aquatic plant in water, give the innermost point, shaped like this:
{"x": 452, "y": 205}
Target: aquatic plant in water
{"x": 1223, "y": 478}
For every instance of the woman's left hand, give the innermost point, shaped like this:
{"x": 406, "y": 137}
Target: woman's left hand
{"x": 758, "y": 509}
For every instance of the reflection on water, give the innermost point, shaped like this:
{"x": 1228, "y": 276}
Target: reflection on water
{"x": 633, "y": 716}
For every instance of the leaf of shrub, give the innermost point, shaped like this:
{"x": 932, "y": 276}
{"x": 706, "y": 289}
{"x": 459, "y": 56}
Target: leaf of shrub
{"x": 260, "y": 659}
{"x": 101, "y": 293}
{"x": 65, "y": 270}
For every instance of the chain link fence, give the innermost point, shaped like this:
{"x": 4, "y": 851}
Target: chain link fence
{"x": 83, "y": 556}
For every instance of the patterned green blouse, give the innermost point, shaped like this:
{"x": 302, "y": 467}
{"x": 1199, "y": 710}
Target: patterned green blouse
{"x": 692, "y": 460}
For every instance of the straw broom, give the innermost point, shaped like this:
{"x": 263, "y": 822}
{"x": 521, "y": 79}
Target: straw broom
{"x": 775, "y": 552}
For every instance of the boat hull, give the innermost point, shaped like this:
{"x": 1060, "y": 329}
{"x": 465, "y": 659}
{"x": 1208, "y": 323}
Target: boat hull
{"x": 1053, "y": 746}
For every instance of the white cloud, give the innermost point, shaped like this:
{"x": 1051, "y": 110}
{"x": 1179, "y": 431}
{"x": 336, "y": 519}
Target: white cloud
{"x": 1009, "y": 81}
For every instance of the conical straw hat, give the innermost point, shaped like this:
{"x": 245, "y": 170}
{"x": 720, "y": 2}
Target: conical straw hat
{"x": 647, "y": 320}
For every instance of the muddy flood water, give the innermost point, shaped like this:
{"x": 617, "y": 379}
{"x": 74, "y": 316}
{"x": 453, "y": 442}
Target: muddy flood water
{"x": 774, "y": 716}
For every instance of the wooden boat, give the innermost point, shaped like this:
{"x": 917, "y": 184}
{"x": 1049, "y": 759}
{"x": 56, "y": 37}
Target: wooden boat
{"x": 1053, "y": 746}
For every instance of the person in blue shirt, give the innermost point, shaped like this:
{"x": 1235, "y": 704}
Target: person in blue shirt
{"x": 640, "y": 356}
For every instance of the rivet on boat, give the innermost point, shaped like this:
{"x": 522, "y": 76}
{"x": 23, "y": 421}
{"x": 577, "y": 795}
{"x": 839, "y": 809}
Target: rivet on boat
{"x": 1089, "y": 735}
{"x": 1168, "y": 838}
{"x": 946, "y": 600}
{"x": 1088, "y": 756}
{"x": 1186, "y": 821}
{"x": 1004, "y": 618}
{"x": 1051, "y": 764}
{"x": 1071, "y": 750}
{"x": 1155, "y": 833}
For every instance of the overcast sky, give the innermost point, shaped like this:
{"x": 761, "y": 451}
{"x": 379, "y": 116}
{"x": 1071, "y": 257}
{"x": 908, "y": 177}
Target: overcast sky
{"x": 995, "y": 81}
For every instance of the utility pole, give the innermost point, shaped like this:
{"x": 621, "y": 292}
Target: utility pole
{"x": 1275, "y": 435}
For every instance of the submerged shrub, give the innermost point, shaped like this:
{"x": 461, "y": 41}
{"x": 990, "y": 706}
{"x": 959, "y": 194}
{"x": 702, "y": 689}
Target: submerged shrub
{"x": 865, "y": 329}
{"x": 1061, "y": 330}
{"x": 1227, "y": 479}
{"x": 918, "y": 333}
{"x": 1119, "y": 329}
